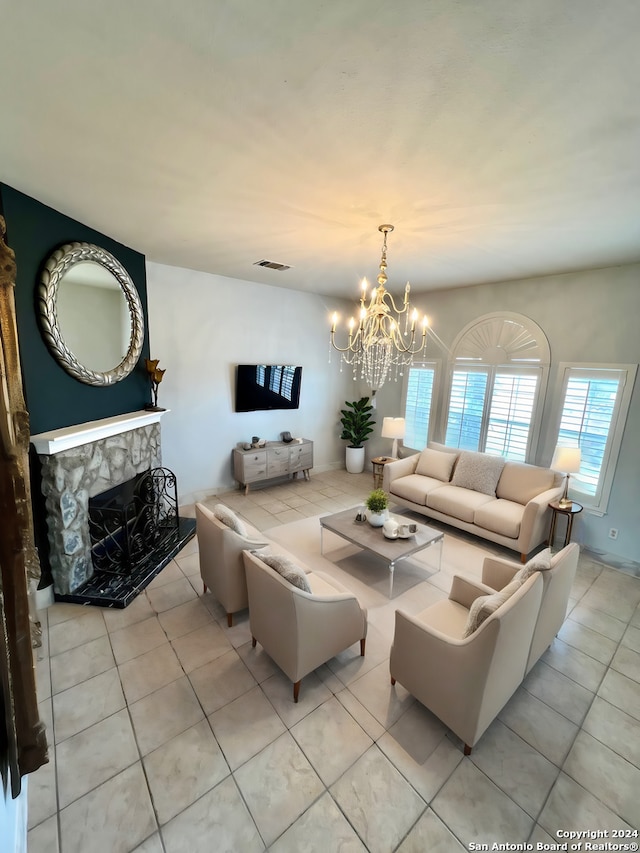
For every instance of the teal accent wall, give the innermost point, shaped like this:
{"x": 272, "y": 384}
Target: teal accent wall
{"x": 54, "y": 398}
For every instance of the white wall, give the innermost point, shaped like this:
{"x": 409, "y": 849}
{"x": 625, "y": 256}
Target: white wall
{"x": 200, "y": 327}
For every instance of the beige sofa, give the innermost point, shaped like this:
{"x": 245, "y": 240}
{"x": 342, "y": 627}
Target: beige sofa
{"x": 505, "y": 502}
{"x": 301, "y": 630}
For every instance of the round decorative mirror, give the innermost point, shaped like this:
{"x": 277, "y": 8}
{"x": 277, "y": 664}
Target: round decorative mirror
{"x": 90, "y": 313}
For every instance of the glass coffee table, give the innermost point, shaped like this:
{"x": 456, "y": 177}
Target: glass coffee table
{"x": 372, "y": 539}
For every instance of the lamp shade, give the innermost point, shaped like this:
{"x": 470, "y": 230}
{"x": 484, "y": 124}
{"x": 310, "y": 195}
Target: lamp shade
{"x": 566, "y": 459}
{"x": 393, "y": 428}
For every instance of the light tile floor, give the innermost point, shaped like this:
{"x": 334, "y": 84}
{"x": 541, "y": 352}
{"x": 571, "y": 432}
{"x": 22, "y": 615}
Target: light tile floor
{"x": 169, "y": 732}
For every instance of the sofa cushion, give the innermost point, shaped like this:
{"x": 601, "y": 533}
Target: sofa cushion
{"x": 435, "y": 463}
{"x": 521, "y": 483}
{"x": 287, "y": 569}
{"x": 538, "y": 563}
{"x": 228, "y": 517}
{"x": 503, "y": 517}
{"x": 485, "y": 605}
{"x": 478, "y": 471}
{"x": 414, "y": 487}
{"x": 457, "y": 502}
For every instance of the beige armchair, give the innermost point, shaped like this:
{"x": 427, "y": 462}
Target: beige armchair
{"x": 466, "y": 681}
{"x": 221, "y": 567}
{"x": 301, "y": 630}
{"x": 556, "y": 588}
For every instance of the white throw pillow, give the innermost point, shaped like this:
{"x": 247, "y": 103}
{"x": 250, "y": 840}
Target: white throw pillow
{"x": 228, "y": 517}
{"x": 435, "y": 463}
{"x": 478, "y": 471}
{"x": 538, "y": 563}
{"x": 288, "y": 569}
{"x": 485, "y": 605}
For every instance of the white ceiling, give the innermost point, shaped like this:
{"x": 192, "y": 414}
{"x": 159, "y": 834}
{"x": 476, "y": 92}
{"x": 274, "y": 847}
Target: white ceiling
{"x": 500, "y": 137}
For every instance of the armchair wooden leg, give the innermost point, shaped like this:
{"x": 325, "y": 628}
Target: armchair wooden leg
{"x": 230, "y": 620}
{"x": 362, "y": 645}
{"x": 523, "y": 558}
{"x": 393, "y": 681}
{"x": 253, "y": 642}
{"x": 296, "y": 691}
{"x": 467, "y": 749}
{"x": 205, "y": 587}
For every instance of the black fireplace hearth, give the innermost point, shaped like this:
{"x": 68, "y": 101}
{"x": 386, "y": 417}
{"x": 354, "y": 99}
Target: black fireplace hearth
{"x": 135, "y": 531}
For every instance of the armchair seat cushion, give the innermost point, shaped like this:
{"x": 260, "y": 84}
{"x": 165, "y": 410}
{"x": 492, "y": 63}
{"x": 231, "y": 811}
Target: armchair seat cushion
{"x": 501, "y": 516}
{"x": 457, "y": 502}
{"x": 448, "y": 617}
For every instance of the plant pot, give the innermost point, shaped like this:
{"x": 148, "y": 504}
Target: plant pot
{"x": 355, "y": 460}
{"x": 377, "y": 519}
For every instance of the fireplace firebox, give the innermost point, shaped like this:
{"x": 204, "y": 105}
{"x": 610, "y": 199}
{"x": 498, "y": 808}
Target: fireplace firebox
{"x": 135, "y": 528}
{"x": 133, "y": 520}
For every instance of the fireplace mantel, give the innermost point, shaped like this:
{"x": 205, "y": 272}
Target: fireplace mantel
{"x": 57, "y": 440}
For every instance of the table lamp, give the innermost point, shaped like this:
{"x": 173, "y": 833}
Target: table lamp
{"x": 393, "y": 428}
{"x": 567, "y": 461}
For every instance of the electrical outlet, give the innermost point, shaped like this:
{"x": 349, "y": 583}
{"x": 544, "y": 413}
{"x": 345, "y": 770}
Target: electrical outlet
{"x": 613, "y": 533}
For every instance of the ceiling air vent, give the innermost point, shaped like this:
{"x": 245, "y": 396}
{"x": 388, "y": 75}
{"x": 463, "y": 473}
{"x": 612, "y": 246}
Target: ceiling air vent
{"x": 272, "y": 265}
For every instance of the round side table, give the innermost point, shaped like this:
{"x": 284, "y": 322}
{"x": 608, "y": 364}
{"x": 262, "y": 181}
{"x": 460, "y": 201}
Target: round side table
{"x": 569, "y": 511}
{"x": 378, "y": 463}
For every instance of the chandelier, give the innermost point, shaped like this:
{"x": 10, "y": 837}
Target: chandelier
{"x": 384, "y": 339}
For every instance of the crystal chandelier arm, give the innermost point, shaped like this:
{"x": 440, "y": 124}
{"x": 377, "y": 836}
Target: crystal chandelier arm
{"x": 406, "y": 305}
{"x": 355, "y": 343}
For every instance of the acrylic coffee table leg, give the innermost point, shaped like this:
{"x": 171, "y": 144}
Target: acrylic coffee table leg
{"x": 392, "y": 566}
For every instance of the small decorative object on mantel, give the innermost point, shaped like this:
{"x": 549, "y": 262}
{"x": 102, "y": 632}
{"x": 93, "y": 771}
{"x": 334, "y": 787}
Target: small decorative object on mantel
{"x": 155, "y": 377}
{"x": 377, "y": 505}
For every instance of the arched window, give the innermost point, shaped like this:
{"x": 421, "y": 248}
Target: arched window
{"x": 499, "y": 367}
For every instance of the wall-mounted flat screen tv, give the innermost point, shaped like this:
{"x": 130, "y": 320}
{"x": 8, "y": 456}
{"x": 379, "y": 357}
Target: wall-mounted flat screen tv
{"x": 267, "y": 386}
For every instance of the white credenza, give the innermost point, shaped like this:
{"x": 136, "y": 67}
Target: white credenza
{"x": 275, "y": 459}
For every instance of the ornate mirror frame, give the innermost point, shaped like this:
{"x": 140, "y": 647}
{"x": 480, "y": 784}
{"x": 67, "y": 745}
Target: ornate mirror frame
{"x": 58, "y": 263}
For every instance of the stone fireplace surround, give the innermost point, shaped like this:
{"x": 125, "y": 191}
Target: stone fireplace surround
{"x": 78, "y": 463}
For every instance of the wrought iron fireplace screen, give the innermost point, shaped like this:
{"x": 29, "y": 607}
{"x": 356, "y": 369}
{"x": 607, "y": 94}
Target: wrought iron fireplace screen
{"x": 133, "y": 521}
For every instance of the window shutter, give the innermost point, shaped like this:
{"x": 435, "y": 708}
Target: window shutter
{"x": 418, "y": 406}
{"x": 589, "y": 406}
{"x": 510, "y": 415}
{"x": 466, "y": 406}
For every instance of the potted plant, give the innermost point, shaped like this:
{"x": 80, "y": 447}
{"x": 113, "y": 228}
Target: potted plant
{"x": 377, "y": 505}
{"x": 357, "y": 426}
